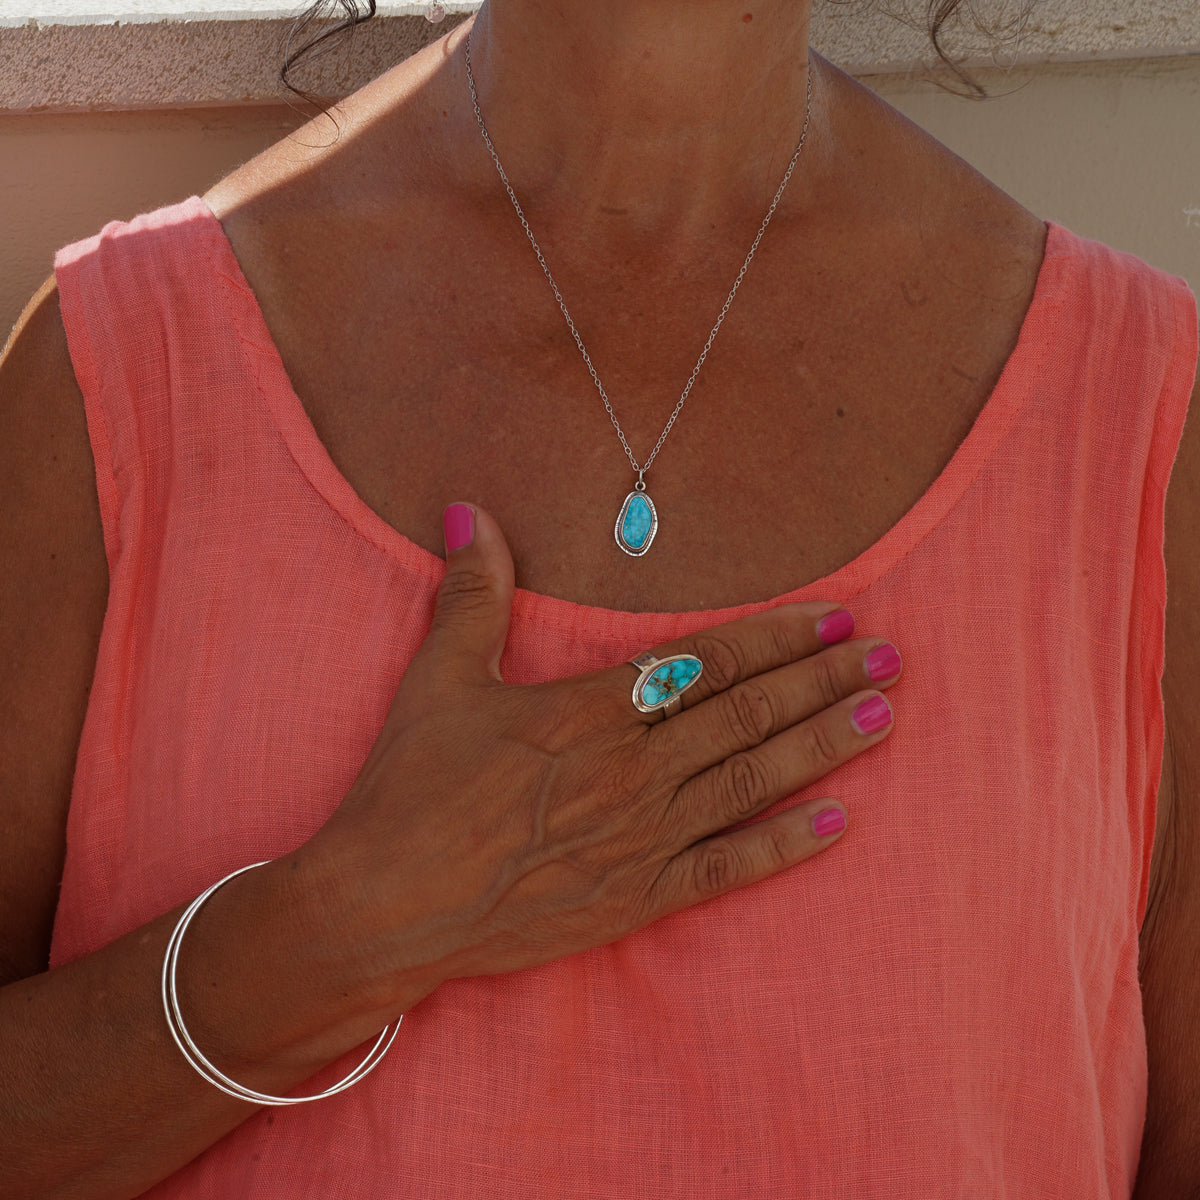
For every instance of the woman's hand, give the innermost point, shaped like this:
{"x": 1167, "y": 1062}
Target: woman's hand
{"x": 495, "y": 827}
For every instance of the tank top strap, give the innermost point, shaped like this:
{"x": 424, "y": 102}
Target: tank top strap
{"x": 149, "y": 339}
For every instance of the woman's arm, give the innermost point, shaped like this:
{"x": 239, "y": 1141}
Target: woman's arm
{"x": 85, "y": 1048}
{"x": 1170, "y": 942}
{"x": 53, "y": 592}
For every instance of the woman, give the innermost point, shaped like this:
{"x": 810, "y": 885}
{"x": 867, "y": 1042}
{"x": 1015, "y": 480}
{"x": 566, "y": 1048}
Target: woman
{"x": 628, "y": 962}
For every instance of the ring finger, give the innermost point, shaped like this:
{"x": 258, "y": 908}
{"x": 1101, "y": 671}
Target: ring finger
{"x": 750, "y": 781}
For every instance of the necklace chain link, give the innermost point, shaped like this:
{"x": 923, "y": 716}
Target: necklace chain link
{"x": 641, "y": 470}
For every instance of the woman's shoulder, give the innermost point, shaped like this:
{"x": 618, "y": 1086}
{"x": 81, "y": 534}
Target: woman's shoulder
{"x": 376, "y": 145}
{"x": 53, "y": 596}
{"x": 949, "y": 211}
{"x": 327, "y": 196}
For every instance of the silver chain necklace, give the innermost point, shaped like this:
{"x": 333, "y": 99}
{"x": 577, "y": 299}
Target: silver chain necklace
{"x": 637, "y": 521}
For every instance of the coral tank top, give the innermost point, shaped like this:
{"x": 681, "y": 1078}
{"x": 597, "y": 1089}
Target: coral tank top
{"x": 944, "y": 1004}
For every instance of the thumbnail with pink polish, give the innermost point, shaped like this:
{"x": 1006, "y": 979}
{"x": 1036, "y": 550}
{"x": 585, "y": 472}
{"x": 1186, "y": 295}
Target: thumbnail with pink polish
{"x": 459, "y": 525}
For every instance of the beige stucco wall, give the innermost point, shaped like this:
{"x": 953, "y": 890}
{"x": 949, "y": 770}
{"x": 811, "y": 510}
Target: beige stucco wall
{"x": 1110, "y": 148}
{"x": 63, "y": 176}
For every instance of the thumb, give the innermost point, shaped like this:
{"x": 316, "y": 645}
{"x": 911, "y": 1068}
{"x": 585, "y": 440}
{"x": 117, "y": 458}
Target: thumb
{"x": 474, "y": 600}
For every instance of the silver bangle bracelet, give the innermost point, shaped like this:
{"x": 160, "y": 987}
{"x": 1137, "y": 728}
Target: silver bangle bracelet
{"x": 192, "y": 1052}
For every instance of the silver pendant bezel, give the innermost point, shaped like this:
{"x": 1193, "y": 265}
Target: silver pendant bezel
{"x": 649, "y": 670}
{"x": 621, "y": 521}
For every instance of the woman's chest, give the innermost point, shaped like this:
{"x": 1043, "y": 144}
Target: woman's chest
{"x": 814, "y": 424}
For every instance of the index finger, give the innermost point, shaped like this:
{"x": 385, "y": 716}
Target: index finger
{"x": 752, "y": 645}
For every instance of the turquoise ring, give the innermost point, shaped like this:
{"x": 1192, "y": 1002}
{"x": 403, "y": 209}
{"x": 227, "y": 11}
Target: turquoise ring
{"x": 661, "y": 681}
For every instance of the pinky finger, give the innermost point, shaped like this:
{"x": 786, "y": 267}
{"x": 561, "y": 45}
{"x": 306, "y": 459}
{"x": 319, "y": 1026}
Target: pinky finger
{"x": 724, "y": 862}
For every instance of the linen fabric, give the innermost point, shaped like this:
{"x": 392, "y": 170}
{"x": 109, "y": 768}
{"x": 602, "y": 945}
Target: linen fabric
{"x": 943, "y": 1004}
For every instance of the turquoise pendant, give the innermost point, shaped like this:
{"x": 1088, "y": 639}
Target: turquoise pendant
{"x": 663, "y": 679}
{"x": 637, "y": 523}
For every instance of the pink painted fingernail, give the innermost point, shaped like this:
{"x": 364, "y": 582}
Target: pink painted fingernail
{"x": 883, "y": 662}
{"x": 827, "y": 821}
{"x": 835, "y": 627}
{"x": 458, "y": 524}
{"x": 871, "y": 715}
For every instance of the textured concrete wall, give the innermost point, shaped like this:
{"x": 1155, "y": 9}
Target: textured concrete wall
{"x": 99, "y": 12}
{"x": 62, "y": 54}
{"x": 870, "y": 36}
{"x": 176, "y": 64}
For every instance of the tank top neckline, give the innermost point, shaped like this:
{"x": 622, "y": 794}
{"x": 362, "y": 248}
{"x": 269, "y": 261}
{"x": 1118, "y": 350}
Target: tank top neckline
{"x": 1020, "y": 371}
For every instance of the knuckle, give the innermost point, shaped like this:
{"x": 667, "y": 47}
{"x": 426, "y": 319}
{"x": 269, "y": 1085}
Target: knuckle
{"x": 777, "y": 848}
{"x": 783, "y": 643}
{"x": 723, "y": 660}
{"x": 717, "y": 870}
{"x": 600, "y": 710}
{"x": 465, "y": 591}
{"x": 748, "y": 782}
{"x": 750, "y": 714}
{"x": 823, "y": 747}
{"x": 606, "y": 701}
{"x": 644, "y": 776}
{"x": 825, "y": 680}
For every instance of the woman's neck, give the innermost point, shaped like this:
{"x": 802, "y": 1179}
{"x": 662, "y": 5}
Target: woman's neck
{"x": 658, "y": 116}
